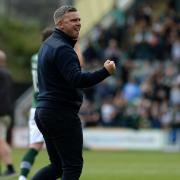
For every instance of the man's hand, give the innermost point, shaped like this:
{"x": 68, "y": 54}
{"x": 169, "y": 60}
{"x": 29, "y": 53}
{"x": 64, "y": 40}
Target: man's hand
{"x": 110, "y": 66}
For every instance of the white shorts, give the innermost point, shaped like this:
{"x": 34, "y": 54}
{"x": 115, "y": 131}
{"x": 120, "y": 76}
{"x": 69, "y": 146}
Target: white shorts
{"x": 35, "y": 135}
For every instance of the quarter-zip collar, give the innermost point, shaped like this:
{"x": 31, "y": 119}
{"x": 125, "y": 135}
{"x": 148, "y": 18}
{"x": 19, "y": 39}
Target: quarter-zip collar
{"x": 57, "y": 32}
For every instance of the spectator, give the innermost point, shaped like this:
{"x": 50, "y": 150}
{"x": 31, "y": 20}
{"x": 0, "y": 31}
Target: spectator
{"x": 175, "y": 52}
{"x": 108, "y": 112}
{"x": 112, "y": 51}
{"x": 131, "y": 90}
{"x": 88, "y": 114}
{"x": 90, "y": 54}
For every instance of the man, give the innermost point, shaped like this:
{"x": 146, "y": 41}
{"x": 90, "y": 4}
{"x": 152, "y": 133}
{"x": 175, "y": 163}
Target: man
{"x": 5, "y": 118}
{"x": 36, "y": 139}
{"x": 60, "y": 96}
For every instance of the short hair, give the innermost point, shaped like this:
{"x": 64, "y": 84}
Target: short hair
{"x": 46, "y": 33}
{"x": 59, "y": 13}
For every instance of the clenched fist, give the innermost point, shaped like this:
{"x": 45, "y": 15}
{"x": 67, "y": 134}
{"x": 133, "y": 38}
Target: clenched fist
{"x": 110, "y": 66}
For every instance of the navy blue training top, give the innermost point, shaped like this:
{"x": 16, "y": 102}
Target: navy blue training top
{"x": 60, "y": 79}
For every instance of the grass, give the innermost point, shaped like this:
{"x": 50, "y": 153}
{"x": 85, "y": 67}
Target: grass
{"x": 118, "y": 165}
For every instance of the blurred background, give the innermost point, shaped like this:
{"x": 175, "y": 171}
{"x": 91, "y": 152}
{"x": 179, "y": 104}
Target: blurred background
{"x": 139, "y": 107}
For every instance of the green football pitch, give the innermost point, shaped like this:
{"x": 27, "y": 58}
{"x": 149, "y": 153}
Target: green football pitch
{"x": 118, "y": 165}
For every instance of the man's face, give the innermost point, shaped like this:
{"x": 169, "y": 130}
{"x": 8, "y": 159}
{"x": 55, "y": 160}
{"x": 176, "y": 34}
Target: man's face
{"x": 70, "y": 24}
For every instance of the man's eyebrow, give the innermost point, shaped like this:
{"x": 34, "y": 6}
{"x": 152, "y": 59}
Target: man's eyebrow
{"x": 76, "y": 19}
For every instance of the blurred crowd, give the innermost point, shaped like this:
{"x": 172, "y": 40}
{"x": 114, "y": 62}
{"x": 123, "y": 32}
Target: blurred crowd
{"x": 145, "y": 93}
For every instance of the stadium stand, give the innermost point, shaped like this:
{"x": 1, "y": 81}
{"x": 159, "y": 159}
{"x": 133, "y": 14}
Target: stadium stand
{"x": 145, "y": 45}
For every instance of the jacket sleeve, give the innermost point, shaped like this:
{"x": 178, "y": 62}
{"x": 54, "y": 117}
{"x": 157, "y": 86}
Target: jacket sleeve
{"x": 68, "y": 65}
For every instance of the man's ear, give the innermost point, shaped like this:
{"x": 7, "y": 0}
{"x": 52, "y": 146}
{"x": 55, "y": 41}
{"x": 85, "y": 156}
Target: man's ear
{"x": 61, "y": 24}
